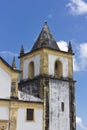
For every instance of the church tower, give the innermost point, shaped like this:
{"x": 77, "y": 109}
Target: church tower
{"x": 47, "y": 73}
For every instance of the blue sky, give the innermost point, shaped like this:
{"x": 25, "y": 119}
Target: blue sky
{"x": 21, "y": 22}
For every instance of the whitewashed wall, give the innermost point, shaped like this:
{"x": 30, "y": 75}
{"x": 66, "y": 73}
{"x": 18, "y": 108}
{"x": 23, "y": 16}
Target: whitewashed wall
{"x": 51, "y": 63}
{"x": 4, "y": 113}
{"x": 22, "y": 124}
{"x": 59, "y": 92}
{"x": 5, "y": 84}
{"x": 36, "y": 60}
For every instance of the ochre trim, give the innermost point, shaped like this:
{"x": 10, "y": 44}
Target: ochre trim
{"x": 21, "y": 104}
{"x": 4, "y": 121}
{"x": 47, "y": 51}
{"x": 44, "y": 65}
{"x": 40, "y": 49}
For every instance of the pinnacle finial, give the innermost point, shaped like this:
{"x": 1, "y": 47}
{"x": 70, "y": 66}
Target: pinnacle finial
{"x": 70, "y": 47}
{"x": 14, "y": 63}
{"x": 45, "y": 22}
{"x": 22, "y": 50}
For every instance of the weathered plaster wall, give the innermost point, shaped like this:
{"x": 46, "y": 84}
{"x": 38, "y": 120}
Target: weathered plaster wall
{"x": 22, "y": 124}
{"x": 4, "y": 113}
{"x": 5, "y": 84}
{"x": 59, "y": 92}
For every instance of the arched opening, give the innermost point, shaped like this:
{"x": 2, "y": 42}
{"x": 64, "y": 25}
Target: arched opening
{"x": 31, "y": 70}
{"x": 58, "y": 71}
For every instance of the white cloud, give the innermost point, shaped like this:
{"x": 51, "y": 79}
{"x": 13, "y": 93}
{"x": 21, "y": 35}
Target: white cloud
{"x": 80, "y": 58}
{"x": 8, "y": 53}
{"x": 77, "y": 7}
{"x": 75, "y": 65}
{"x": 62, "y": 45}
{"x": 79, "y": 122}
{"x": 83, "y": 50}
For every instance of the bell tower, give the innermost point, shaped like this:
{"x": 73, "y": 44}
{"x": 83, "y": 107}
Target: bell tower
{"x": 47, "y": 73}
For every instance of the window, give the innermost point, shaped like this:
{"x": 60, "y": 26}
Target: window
{"x": 62, "y": 106}
{"x": 58, "y": 69}
{"x": 31, "y": 70}
{"x": 30, "y": 115}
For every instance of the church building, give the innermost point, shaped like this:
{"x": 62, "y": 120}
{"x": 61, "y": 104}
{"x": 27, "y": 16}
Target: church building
{"x": 44, "y": 97}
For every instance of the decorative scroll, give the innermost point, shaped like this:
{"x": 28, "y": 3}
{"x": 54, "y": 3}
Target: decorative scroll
{"x": 4, "y": 125}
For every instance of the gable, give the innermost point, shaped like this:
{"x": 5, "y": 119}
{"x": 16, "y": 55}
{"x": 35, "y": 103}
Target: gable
{"x": 8, "y": 69}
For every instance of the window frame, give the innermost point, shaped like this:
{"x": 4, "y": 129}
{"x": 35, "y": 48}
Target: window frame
{"x": 33, "y": 115}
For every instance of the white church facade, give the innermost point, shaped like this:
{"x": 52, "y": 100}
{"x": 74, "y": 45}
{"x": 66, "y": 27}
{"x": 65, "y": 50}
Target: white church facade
{"x": 44, "y": 98}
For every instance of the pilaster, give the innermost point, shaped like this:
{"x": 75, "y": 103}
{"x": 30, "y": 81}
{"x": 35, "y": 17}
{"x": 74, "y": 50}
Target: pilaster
{"x": 44, "y": 63}
{"x": 72, "y": 107}
{"x": 46, "y": 105}
{"x": 13, "y": 116}
{"x": 14, "y": 89}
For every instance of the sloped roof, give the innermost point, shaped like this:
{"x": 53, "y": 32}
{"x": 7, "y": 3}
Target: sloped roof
{"x": 45, "y": 39}
{"x": 28, "y": 97}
